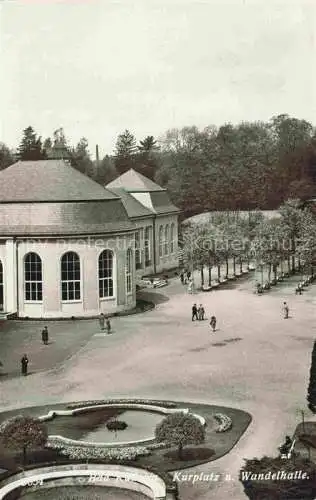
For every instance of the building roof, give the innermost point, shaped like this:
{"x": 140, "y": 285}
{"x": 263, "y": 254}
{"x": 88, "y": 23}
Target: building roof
{"x": 48, "y": 180}
{"x": 134, "y": 182}
{"x": 161, "y": 203}
{"x": 132, "y": 206}
{"x": 52, "y": 198}
{"x": 61, "y": 219}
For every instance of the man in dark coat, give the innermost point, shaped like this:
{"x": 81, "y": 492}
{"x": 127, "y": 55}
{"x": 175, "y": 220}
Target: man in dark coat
{"x": 24, "y": 363}
{"x": 194, "y": 312}
{"x": 45, "y": 335}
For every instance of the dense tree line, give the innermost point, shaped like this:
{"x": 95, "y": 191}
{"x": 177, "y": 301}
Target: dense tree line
{"x": 246, "y": 166}
{"x": 280, "y": 244}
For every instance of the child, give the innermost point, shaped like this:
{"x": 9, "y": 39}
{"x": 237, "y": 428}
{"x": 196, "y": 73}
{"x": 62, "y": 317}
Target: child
{"x": 213, "y": 323}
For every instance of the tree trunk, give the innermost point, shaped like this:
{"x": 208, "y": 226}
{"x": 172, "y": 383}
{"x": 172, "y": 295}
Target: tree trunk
{"x": 227, "y": 267}
{"x": 275, "y": 269}
{"x": 202, "y": 275}
{"x": 210, "y": 274}
{"x": 24, "y": 455}
{"x": 281, "y": 266}
{"x": 289, "y": 264}
{"x": 269, "y": 273}
{"x": 219, "y": 272}
{"x": 180, "y": 448}
{"x": 234, "y": 265}
{"x": 240, "y": 266}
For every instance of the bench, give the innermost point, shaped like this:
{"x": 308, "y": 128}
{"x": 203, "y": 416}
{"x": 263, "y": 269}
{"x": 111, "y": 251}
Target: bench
{"x": 289, "y": 454}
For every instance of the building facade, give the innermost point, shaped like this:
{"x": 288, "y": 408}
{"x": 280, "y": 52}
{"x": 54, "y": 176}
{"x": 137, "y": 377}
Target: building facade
{"x": 68, "y": 247}
{"x": 156, "y": 221}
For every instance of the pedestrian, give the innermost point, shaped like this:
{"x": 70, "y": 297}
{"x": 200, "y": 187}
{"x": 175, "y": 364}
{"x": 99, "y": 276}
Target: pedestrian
{"x": 24, "y": 363}
{"x": 188, "y": 275}
{"x": 102, "y": 321}
{"x": 108, "y": 325}
{"x": 185, "y": 277}
{"x": 285, "y": 310}
{"x": 190, "y": 287}
{"x": 194, "y": 312}
{"x": 201, "y": 312}
{"x": 45, "y": 335}
{"x": 213, "y": 323}
{"x": 182, "y": 277}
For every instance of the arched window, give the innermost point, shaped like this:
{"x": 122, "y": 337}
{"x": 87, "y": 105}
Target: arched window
{"x": 1, "y": 286}
{"x": 172, "y": 238}
{"x": 106, "y": 287}
{"x": 160, "y": 241}
{"x": 147, "y": 246}
{"x": 33, "y": 280}
{"x": 166, "y": 242}
{"x": 129, "y": 268}
{"x": 70, "y": 276}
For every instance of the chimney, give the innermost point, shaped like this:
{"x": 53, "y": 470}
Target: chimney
{"x": 97, "y": 155}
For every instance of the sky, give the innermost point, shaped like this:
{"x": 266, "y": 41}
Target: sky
{"x": 98, "y": 67}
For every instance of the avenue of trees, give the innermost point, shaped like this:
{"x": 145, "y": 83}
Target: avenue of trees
{"x": 251, "y": 165}
{"x": 281, "y": 244}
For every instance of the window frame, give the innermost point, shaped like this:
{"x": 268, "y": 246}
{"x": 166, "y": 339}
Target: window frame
{"x": 32, "y": 285}
{"x": 73, "y": 281}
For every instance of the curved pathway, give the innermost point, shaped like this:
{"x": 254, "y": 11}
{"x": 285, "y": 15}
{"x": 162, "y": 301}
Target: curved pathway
{"x": 263, "y": 368}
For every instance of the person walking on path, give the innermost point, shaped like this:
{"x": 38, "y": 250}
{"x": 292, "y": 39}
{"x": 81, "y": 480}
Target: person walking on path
{"x": 108, "y": 325}
{"x": 201, "y": 312}
{"x": 102, "y": 321}
{"x": 286, "y": 310}
{"x": 194, "y": 312}
{"x": 182, "y": 277}
{"x": 213, "y": 323}
{"x": 190, "y": 286}
{"x": 45, "y": 335}
{"x": 24, "y": 363}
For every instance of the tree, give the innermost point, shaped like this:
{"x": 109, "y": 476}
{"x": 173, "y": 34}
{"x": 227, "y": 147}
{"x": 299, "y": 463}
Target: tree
{"x": 147, "y": 160}
{"x": 23, "y": 432}
{"x": 80, "y": 158}
{"x": 105, "y": 171}
{"x": 148, "y": 145}
{"x": 256, "y": 478}
{"x": 180, "y": 429}
{"x": 311, "y": 392}
{"x": 6, "y": 156}
{"x": 125, "y": 151}
{"x": 292, "y": 218}
{"x": 30, "y": 148}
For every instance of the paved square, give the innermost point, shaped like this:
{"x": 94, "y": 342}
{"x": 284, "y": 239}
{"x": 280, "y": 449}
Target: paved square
{"x": 256, "y": 361}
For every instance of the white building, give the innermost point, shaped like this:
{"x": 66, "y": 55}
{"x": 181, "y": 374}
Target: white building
{"x": 156, "y": 220}
{"x": 66, "y": 244}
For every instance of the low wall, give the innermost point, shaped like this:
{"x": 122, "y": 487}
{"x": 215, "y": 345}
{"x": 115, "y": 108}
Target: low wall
{"x": 131, "y": 478}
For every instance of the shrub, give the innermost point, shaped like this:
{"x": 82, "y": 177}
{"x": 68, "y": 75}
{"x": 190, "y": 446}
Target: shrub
{"x": 225, "y": 422}
{"x": 311, "y": 392}
{"x": 23, "y": 432}
{"x": 116, "y": 425}
{"x": 180, "y": 429}
{"x": 274, "y": 478}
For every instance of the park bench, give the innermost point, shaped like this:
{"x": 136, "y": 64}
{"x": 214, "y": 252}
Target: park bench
{"x": 290, "y": 452}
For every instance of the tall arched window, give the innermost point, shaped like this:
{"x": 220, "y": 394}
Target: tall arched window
{"x": 70, "y": 276}
{"x": 1, "y": 286}
{"x": 33, "y": 280}
{"x": 172, "y": 238}
{"x": 129, "y": 269}
{"x": 148, "y": 246}
{"x": 166, "y": 240}
{"x": 106, "y": 286}
{"x": 160, "y": 241}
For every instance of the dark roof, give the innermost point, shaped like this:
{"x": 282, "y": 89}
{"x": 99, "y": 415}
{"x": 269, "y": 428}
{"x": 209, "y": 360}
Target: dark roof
{"x": 132, "y": 206}
{"x": 162, "y": 204}
{"x": 134, "y": 182}
{"x": 48, "y": 180}
{"x": 70, "y": 218}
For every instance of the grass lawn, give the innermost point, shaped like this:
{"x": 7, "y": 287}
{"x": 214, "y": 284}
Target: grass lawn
{"x": 215, "y": 446}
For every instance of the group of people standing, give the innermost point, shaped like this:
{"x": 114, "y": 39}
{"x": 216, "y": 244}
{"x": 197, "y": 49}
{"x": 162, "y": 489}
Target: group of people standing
{"x": 198, "y": 313}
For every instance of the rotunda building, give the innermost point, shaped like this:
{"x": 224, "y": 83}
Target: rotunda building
{"x": 66, "y": 244}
